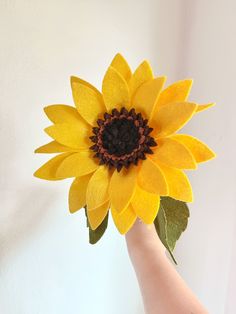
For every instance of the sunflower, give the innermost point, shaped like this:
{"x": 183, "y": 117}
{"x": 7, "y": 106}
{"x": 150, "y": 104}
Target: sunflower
{"x": 121, "y": 147}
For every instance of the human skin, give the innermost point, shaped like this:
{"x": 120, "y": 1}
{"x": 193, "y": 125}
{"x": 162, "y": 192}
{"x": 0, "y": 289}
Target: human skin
{"x": 162, "y": 288}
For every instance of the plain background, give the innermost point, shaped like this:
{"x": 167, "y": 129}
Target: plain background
{"x": 46, "y": 263}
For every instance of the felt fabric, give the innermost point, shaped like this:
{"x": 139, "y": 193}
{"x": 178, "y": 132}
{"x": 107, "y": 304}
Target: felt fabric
{"x": 200, "y": 151}
{"x": 151, "y": 178}
{"x": 171, "y": 118}
{"x": 145, "y": 205}
{"x": 204, "y": 107}
{"x": 77, "y": 193}
{"x": 96, "y": 216}
{"x": 178, "y": 183}
{"x": 115, "y": 90}
{"x": 53, "y": 147}
{"x": 174, "y": 154}
{"x": 125, "y": 220}
{"x": 88, "y": 102}
{"x": 97, "y": 191}
{"x": 146, "y": 96}
{"x": 72, "y": 135}
{"x": 77, "y": 80}
{"x": 120, "y": 64}
{"x": 77, "y": 164}
{"x": 122, "y": 187}
{"x": 142, "y": 74}
{"x": 48, "y": 171}
{"x": 63, "y": 114}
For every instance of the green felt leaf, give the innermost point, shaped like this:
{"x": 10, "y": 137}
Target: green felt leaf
{"x": 171, "y": 221}
{"x": 95, "y": 235}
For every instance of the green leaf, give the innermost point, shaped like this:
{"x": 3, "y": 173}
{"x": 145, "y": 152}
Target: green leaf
{"x": 95, "y": 235}
{"x": 171, "y": 221}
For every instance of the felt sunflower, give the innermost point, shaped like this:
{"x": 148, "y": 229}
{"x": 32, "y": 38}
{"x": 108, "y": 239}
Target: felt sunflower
{"x": 121, "y": 147}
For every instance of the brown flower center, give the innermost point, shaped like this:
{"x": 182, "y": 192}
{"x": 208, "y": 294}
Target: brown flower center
{"x": 122, "y": 138}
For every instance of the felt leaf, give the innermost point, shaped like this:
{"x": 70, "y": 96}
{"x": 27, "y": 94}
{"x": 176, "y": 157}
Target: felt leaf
{"x": 146, "y": 96}
{"x": 141, "y": 75}
{"x": 115, "y": 90}
{"x": 120, "y": 64}
{"x": 97, "y": 192}
{"x": 53, "y": 147}
{"x": 77, "y": 165}
{"x": 95, "y": 235}
{"x": 204, "y": 107}
{"x": 173, "y": 153}
{"x": 96, "y": 216}
{"x": 63, "y": 114}
{"x": 48, "y": 171}
{"x": 122, "y": 187}
{"x": 178, "y": 184}
{"x": 88, "y": 101}
{"x": 145, "y": 205}
{"x": 172, "y": 117}
{"x": 71, "y": 135}
{"x": 200, "y": 151}
{"x": 151, "y": 178}
{"x": 77, "y": 193}
{"x": 124, "y": 220}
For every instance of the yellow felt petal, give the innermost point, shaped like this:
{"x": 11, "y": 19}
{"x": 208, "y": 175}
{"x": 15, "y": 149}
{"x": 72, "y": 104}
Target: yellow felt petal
{"x": 122, "y": 187}
{"x": 48, "y": 171}
{"x": 204, "y": 107}
{"x": 174, "y": 154}
{"x": 178, "y": 183}
{"x": 125, "y": 220}
{"x": 141, "y": 75}
{"x": 115, "y": 90}
{"x": 120, "y": 64}
{"x": 177, "y": 92}
{"x": 151, "y": 178}
{"x": 145, "y": 205}
{"x": 62, "y": 114}
{"x": 97, "y": 216}
{"x": 200, "y": 151}
{"x": 52, "y": 147}
{"x": 172, "y": 117}
{"x": 71, "y": 135}
{"x": 88, "y": 101}
{"x": 97, "y": 192}
{"x": 77, "y": 164}
{"x": 74, "y": 79}
{"x": 146, "y": 96}
{"x": 77, "y": 193}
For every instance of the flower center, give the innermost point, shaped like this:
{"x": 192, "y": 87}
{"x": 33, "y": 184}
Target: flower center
{"x": 122, "y": 138}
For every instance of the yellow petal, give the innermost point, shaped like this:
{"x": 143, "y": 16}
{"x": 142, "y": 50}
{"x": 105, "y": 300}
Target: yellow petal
{"x": 178, "y": 183}
{"x": 97, "y": 216}
{"x": 122, "y": 187}
{"x": 115, "y": 90}
{"x": 145, "y": 98}
{"x": 204, "y": 107}
{"x": 125, "y": 220}
{"x": 88, "y": 101}
{"x": 120, "y": 64}
{"x": 201, "y": 152}
{"x": 141, "y": 75}
{"x": 173, "y": 154}
{"x": 177, "y": 92}
{"x": 172, "y": 117}
{"x": 77, "y": 165}
{"x": 75, "y": 79}
{"x": 151, "y": 178}
{"x": 77, "y": 193}
{"x": 49, "y": 169}
{"x": 53, "y": 147}
{"x": 62, "y": 114}
{"x": 71, "y": 135}
{"x": 145, "y": 205}
{"x": 97, "y": 192}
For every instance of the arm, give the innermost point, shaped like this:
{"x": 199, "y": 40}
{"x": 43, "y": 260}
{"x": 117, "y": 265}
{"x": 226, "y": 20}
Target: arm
{"x": 162, "y": 288}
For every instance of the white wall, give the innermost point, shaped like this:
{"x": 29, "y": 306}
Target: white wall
{"x": 46, "y": 263}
